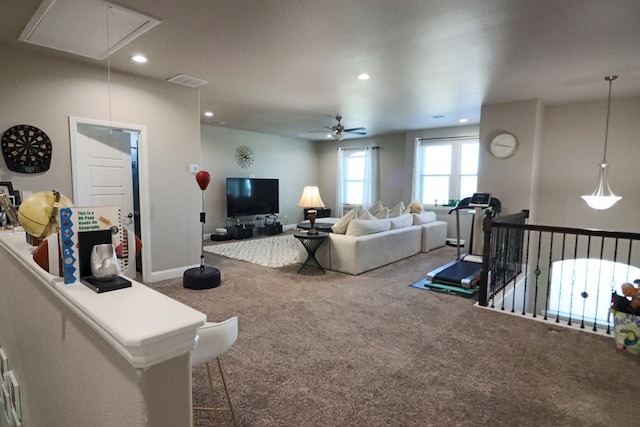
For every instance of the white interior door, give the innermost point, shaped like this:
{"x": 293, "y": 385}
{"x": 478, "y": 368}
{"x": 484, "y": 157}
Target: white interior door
{"x": 104, "y": 170}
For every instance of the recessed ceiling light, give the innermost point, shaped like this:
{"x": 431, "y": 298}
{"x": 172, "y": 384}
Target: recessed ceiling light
{"x": 208, "y": 113}
{"x": 329, "y": 135}
{"x": 463, "y": 120}
{"x": 139, "y": 58}
{"x": 363, "y": 76}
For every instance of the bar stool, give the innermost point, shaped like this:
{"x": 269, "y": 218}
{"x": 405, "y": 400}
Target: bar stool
{"x": 213, "y": 340}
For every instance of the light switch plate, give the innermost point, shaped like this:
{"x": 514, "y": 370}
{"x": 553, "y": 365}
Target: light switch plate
{"x": 194, "y": 168}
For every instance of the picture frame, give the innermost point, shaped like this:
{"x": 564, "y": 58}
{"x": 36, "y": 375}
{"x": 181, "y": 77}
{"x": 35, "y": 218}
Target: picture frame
{"x": 14, "y": 395}
{"x": 7, "y": 188}
{"x": 4, "y": 366}
{"x": 9, "y": 210}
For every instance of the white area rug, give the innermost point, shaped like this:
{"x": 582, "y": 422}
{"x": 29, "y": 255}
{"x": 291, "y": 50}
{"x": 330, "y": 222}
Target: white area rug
{"x": 271, "y": 252}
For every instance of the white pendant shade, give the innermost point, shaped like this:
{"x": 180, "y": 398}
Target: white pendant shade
{"x": 602, "y": 197}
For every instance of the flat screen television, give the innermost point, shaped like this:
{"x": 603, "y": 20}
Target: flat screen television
{"x": 252, "y": 196}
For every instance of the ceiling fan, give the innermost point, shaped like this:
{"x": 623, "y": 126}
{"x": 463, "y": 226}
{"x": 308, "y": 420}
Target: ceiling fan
{"x": 338, "y": 132}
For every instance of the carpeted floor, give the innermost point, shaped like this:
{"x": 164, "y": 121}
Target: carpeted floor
{"x": 369, "y": 350}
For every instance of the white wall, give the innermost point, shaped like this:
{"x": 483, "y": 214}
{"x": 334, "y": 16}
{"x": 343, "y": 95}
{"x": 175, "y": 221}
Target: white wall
{"x": 291, "y": 160}
{"x": 520, "y": 119}
{"x": 44, "y": 91}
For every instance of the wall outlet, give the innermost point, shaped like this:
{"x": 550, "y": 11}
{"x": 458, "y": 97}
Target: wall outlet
{"x": 194, "y": 168}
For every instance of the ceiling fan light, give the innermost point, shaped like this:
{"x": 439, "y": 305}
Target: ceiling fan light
{"x": 338, "y": 136}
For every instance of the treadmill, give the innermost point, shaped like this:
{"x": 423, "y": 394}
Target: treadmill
{"x": 463, "y": 274}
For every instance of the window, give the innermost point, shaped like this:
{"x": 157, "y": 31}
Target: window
{"x": 358, "y": 180}
{"x": 354, "y": 177}
{"x": 446, "y": 170}
{"x": 572, "y": 279}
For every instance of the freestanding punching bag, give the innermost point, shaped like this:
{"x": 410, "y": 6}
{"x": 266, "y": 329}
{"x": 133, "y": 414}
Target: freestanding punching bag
{"x": 201, "y": 277}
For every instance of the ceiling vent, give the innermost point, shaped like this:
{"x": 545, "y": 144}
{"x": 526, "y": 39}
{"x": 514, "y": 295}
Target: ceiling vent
{"x": 80, "y": 27}
{"x": 184, "y": 80}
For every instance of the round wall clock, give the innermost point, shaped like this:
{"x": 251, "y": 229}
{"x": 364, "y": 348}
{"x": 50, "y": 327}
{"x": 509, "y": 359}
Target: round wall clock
{"x": 26, "y": 149}
{"x": 503, "y": 145}
{"x": 244, "y": 156}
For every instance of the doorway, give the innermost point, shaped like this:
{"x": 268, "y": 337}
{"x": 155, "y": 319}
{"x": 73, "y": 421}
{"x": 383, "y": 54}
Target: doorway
{"x": 108, "y": 162}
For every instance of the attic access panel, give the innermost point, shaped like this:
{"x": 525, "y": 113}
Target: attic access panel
{"x": 80, "y": 27}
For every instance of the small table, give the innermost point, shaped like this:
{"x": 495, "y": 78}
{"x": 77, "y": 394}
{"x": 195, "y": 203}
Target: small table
{"x": 311, "y": 242}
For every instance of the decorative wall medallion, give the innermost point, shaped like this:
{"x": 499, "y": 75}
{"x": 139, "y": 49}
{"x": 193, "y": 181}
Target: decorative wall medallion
{"x": 244, "y": 156}
{"x": 26, "y": 149}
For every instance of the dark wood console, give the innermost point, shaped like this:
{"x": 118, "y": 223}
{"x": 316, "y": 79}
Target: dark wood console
{"x": 320, "y": 213}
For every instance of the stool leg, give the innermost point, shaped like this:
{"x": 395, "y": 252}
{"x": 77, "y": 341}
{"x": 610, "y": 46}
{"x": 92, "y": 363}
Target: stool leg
{"x": 226, "y": 392}
{"x": 214, "y": 399}
{"x": 216, "y": 409}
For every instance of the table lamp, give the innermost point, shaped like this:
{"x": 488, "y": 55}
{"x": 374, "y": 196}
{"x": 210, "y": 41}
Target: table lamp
{"x": 310, "y": 200}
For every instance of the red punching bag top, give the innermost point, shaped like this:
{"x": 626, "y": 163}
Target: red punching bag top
{"x": 203, "y": 179}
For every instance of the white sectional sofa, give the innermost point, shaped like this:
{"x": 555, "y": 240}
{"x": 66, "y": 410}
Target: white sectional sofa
{"x": 372, "y": 243}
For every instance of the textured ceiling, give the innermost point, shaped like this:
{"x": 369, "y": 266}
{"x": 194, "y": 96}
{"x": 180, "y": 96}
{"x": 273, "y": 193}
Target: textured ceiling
{"x": 287, "y": 67}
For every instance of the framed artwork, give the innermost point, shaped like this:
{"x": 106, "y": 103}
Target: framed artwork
{"x": 9, "y": 209}
{"x": 4, "y": 365}
{"x": 7, "y": 188}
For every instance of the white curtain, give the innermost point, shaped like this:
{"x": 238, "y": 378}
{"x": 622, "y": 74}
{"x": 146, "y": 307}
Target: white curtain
{"x": 371, "y": 192}
{"x": 416, "y": 165}
{"x": 339, "y": 186}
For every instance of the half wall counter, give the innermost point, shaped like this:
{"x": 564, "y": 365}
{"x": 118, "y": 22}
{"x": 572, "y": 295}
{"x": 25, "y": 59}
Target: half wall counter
{"x": 117, "y": 358}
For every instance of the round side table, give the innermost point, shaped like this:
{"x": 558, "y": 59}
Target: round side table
{"x": 311, "y": 242}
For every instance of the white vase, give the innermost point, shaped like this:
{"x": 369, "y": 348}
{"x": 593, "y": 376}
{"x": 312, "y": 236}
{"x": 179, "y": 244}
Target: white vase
{"x": 104, "y": 263}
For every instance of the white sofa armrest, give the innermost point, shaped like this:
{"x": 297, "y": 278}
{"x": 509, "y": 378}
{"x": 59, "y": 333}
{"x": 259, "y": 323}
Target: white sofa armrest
{"x": 434, "y": 235}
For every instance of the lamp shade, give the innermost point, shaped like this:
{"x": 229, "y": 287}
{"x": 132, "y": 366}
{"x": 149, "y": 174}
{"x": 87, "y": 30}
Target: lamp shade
{"x": 310, "y": 198}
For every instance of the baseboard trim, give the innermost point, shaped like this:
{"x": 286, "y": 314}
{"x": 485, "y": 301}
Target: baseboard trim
{"x": 173, "y": 273}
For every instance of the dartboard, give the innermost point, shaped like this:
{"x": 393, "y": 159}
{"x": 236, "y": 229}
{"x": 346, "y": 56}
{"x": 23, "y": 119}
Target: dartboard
{"x": 26, "y": 149}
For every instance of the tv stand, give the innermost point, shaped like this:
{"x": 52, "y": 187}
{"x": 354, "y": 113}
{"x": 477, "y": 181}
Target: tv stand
{"x": 270, "y": 230}
{"x": 242, "y": 231}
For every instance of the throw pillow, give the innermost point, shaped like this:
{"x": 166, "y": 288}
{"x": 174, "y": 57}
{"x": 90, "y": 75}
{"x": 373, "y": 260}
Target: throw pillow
{"x": 376, "y": 209}
{"x": 340, "y": 227}
{"x": 397, "y": 210}
{"x": 401, "y": 221}
{"x": 366, "y": 215}
{"x": 359, "y": 227}
{"x": 383, "y": 214}
{"x": 423, "y": 218}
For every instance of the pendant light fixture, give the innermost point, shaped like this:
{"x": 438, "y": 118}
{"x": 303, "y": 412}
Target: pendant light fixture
{"x": 602, "y": 197}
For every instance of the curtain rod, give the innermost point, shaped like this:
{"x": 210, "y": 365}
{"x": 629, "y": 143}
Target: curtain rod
{"x": 440, "y": 138}
{"x": 358, "y": 148}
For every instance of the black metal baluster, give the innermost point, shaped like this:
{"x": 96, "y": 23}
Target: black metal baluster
{"x": 573, "y": 278}
{"x": 537, "y": 272}
{"x": 584, "y": 294}
{"x": 546, "y": 299}
{"x": 564, "y": 240}
{"x": 595, "y": 316}
{"x": 526, "y": 274}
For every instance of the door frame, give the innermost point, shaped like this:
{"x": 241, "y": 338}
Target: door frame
{"x": 143, "y": 178}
